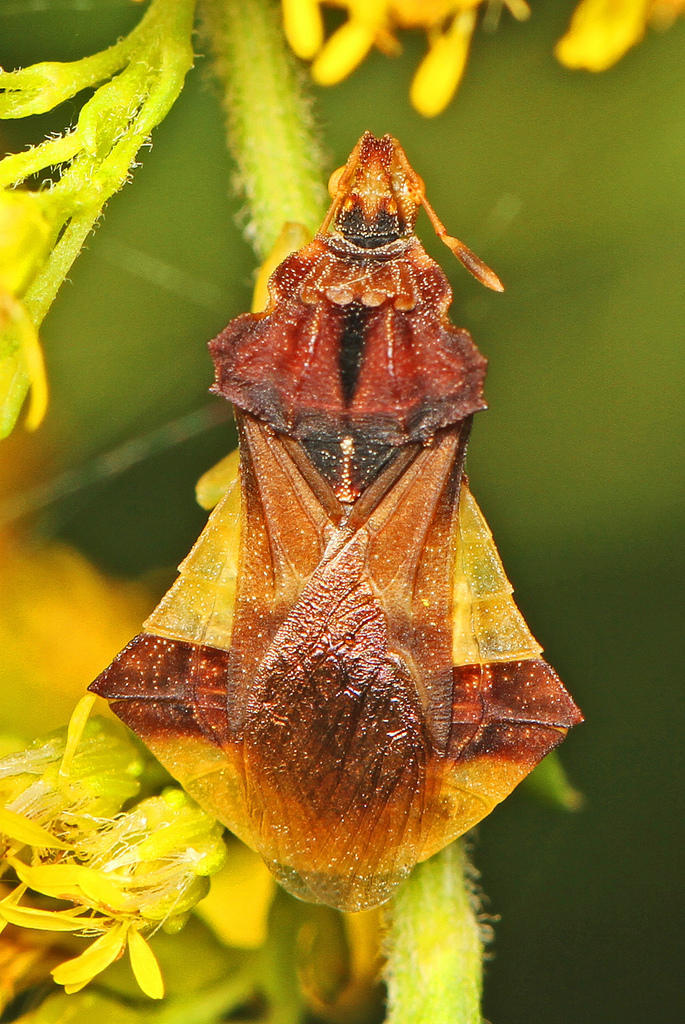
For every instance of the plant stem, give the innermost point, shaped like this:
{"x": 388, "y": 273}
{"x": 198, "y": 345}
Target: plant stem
{"x": 154, "y": 80}
{"x": 270, "y": 130}
{"x": 434, "y": 945}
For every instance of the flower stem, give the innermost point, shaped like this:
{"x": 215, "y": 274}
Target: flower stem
{"x": 137, "y": 81}
{"x": 434, "y": 945}
{"x": 270, "y": 131}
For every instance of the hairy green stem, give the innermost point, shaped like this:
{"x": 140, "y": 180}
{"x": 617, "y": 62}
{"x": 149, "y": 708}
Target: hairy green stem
{"x": 270, "y": 130}
{"x": 41, "y": 87}
{"x": 434, "y": 945}
{"x": 138, "y": 80}
{"x": 94, "y": 181}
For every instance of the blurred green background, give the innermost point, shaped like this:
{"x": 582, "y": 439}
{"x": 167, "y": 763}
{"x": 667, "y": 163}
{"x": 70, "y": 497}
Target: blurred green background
{"x": 572, "y": 186}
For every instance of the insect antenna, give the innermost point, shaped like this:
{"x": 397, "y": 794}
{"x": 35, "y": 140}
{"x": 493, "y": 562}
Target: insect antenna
{"x": 474, "y": 264}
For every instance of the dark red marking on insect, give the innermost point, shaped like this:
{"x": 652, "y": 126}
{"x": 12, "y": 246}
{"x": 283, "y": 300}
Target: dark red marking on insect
{"x": 181, "y": 683}
{"x": 493, "y": 703}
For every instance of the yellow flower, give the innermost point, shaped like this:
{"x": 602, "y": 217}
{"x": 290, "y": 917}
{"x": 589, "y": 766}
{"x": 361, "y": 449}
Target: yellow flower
{"x": 66, "y": 838}
{"x": 602, "y": 31}
{"x": 449, "y": 25}
{"x": 75, "y": 974}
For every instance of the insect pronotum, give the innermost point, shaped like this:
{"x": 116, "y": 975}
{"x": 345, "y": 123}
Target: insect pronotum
{"x": 340, "y": 674}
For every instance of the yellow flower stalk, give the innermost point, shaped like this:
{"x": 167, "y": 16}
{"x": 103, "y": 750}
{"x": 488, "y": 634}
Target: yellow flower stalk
{"x": 449, "y": 25}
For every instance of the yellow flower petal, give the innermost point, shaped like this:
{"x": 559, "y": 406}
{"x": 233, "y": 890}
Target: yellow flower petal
{"x": 519, "y": 9}
{"x": 77, "y": 724}
{"x": 13, "y": 896}
{"x": 57, "y": 880}
{"x": 145, "y": 966}
{"x": 25, "y": 831}
{"x": 441, "y": 70}
{"x": 74, "y": 882}
{"x": 343, "y": 52}
{"x": 21, "y": 365}
{"x": 303, "y": 27}
{"x": 35, "y": 365}
{"x": 601, "y": 31}
{"x": 45, "y": 920}
{"x": 104, "y": 951}
{"x": 98, "y": 888}
{"x": 10, "y": 901}
{"x": 212, "y": 485}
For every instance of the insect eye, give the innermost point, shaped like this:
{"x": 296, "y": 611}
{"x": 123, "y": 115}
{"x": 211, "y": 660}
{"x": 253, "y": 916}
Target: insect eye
{"x": 334, "y": 181}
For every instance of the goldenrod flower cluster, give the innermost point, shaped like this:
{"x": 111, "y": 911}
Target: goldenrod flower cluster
{"x": 115, "y": 875}
{"x": 449, "y": 25}
{"x": 600, "y": 33}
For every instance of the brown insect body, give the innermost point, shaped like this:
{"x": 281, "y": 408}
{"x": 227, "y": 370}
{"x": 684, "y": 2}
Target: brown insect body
{"x": 339, "y": 673}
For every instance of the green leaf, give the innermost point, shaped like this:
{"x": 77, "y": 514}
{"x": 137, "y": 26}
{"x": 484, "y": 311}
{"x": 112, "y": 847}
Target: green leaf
{"x": 550, "y": 784}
